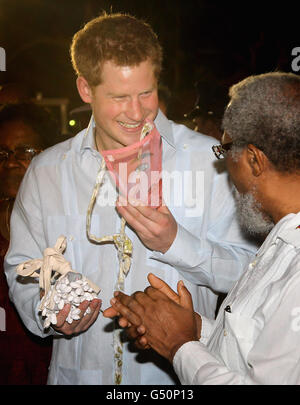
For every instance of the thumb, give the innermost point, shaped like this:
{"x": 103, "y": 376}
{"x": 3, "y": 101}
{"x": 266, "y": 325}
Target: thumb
{"x": 163, "y": 287}
{"x": 163, "y": 209}
{"x": 185, "y": 298}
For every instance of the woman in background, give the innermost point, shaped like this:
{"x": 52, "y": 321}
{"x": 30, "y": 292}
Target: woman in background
{"x": 25, "y": 130}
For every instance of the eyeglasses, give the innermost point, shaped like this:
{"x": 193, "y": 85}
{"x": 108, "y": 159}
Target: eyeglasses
{"x": 221, "y": 150}
{"x": 21, "y": 154}
{"x": 225, "y": 145}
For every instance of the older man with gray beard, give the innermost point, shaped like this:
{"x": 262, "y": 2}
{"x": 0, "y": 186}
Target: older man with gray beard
{"x": 255, "y": 338}
{"x": 250, "y": 215}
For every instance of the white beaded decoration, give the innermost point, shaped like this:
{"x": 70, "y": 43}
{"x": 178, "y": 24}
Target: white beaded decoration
{"x": 72, "y": 288}
{"x": 65, "y": 286}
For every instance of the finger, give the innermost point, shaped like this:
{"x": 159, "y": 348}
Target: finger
{"x": 148, "y": 216}
{"x": 163, "y": 287}
{"x": 136, "y": 303}
{"x": 133, "y": 332}
{"x": 125, "y": 299}
{"x": 127, "y": 313}
{"x": 141, "y": 329}
{"x": 123, "y": 322}
{"x": 95, "y": 310}
{"x": 185, "y": 297}
{"x": 110, "y": 313}
{"x": 163, "y": 203}
{"x": 82, "y": 307}
{"x": 85, "y": 314}
{"x": 153, "y": 294}
{"x": 134, "y": 218}
{"x": 87, "y": 319}
{"x": 62, "y": 316}
{"x": 151, "y": 214}
{"x": 163, "y": 209}
{"x": 141, "y": 301}
{"x": 142, "y": 346}
{"x": 198, "y": 324}
{"x": 143, "y": 342}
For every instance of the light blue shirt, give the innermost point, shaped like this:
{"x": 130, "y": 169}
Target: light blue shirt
{"x": 209, "y": 248}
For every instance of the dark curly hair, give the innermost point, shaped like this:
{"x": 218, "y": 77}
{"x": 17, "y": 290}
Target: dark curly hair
{"x": 36, "y": 117}
{"x": 120, "y": 38}
{"x": 264, "y": 110}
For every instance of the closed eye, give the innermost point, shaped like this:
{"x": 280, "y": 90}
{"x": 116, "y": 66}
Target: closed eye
{"x": 121, "y": 98}
{"x": 146, "y": 93}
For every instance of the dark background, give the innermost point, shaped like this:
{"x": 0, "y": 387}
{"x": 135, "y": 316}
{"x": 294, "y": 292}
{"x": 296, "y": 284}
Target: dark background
{"x": 203, "y": 40}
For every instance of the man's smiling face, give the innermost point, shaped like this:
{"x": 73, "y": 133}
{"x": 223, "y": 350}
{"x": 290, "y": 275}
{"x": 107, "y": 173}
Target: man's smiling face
{"x": 121, "y": 103}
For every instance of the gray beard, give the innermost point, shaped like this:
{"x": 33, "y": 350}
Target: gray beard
{"x": 250, "y": 215}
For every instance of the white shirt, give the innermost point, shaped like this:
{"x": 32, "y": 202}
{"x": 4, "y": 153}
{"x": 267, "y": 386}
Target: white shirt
{"x": 258, "y": 341}
{"x": 209, "y": 248}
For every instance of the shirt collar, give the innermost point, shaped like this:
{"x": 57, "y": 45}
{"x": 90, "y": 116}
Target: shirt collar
{"x": 164, "y": 127}
{"x": 286, "y": 229}
{"x": 88, "y": 141}
{"x": 290, "y": 233}
{"x": 162, "y": 124}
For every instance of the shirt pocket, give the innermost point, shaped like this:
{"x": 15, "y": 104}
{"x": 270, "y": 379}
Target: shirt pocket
{"x": 239, "y": 336}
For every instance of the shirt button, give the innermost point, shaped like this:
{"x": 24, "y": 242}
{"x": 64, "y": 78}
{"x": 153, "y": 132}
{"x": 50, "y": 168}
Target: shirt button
{"x": 225, "y": 333}
{"x": 185, "y": 146}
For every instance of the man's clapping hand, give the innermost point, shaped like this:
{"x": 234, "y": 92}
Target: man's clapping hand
{"x": 158, "y": 317}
